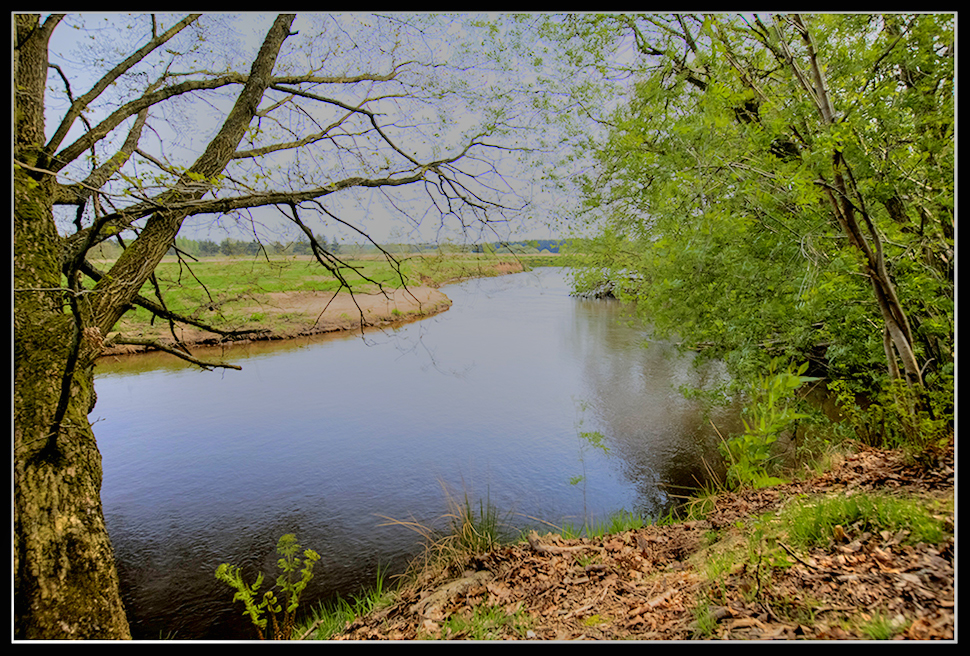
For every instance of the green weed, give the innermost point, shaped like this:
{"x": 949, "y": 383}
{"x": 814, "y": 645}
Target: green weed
{"x": 705, "y": 621}
{"x": 750, "y": 455}
{"x": 290, "y": 588}
{"x": 616, "y": 522}
{"x": 331, "y": 617}
{"x": 485, "y": 623}
{"x": 917, "y": 422}
{"x": 879, "y": 626}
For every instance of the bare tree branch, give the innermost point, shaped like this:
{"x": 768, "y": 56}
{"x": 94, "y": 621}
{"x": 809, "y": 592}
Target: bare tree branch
{"x": 79, "y": 193}
{"x": 78, "y": 105}
{"x": 155, "y": 344}
{"x": 100, "y": 131}
{"x": 131, "y": 269}
{"x": 116, "y": 118}
{"x": 308, "y": 139}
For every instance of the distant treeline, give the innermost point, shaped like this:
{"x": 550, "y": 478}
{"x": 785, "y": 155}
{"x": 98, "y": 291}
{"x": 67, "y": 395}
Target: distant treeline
{"x": 234, "y": 247}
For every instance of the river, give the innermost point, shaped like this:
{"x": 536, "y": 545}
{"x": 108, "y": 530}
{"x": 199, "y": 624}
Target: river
{"x": 331, "y": 437}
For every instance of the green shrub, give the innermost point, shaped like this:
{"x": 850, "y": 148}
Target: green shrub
{"x": 771, "y": 410}
{"x": 911, "y": 419}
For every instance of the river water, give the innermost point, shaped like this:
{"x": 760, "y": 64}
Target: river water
{"x": 340, "y": 439}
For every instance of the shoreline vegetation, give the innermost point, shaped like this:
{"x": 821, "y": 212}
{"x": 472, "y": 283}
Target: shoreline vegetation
{"x": 862, "y": 549}
{"x": 276, "y": 298}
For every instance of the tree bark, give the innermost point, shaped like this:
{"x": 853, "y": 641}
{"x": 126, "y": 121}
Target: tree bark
{"x": 65, "y": 581}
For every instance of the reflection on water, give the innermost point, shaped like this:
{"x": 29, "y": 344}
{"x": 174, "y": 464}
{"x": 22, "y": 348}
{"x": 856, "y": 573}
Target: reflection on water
{"x": 328, "y": 437}
{"x": 664, "y": 443}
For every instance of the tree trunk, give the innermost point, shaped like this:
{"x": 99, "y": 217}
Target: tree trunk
{"x": 893, "y": 313}
{"x": 65, "y": 581}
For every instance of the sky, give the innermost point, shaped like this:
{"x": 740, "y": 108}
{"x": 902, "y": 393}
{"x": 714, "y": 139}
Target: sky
{"x": 84, "y": 48}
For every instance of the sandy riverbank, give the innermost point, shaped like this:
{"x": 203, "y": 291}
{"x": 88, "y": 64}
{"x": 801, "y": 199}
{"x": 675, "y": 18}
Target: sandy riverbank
{"x": 300, "y": 313}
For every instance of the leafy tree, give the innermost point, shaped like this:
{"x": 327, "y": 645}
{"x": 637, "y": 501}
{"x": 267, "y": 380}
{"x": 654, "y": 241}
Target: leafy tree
{"x": 306, "y": 117}
{"x": 208, "y": 247}
{"x": 784, "y": 186}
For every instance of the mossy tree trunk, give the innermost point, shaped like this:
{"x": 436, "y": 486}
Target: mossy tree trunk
{"x": 65, "y": 581}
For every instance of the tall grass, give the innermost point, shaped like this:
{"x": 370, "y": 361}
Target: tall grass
{"x": 466, "y": 529}
{"x": 331, "y": 617}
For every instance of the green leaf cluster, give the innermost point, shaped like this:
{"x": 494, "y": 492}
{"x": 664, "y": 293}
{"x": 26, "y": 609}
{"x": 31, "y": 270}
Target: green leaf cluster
{"x": 296, "y": 574}
{"x": 772, "y": 409}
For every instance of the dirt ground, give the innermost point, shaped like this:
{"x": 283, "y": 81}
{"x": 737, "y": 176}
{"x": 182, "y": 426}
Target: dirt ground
{"x": 648, "y": 584}
{"x": 301, "y": 313}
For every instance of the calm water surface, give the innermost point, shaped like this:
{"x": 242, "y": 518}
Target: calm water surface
{"x": 330, "y": 438}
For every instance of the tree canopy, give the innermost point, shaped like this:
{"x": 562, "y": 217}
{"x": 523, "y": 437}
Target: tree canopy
{"x": 784, "y": 185}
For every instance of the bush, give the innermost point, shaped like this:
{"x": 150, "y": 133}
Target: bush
{"x": 900, "y": 417}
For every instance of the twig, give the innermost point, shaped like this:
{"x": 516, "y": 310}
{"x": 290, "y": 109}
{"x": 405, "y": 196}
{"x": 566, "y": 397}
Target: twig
{"x": 154, "y": 343}
{"x": 599, "y": 598}
{"x": 311, "y": 629}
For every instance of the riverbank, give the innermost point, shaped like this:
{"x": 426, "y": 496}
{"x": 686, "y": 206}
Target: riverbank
{"x": 286, "y": 315}
{"x": 263, "y": 304}
{"x": 864, "y": 551}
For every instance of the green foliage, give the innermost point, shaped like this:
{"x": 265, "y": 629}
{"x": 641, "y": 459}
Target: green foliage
{"x": 231, "y": 576}
{"x": 617, "y": 522}
{"x": 484, "y": 623}
{"x": 705, "y": 620}
{"x": 710, "y": 204}
{"x": 467, "y": 531}
{"x": 296, "y": 574}
{"x": 476, "y": 531}
{"x": 331, "y": 617}
{"x": 880, "y": 626}
{"x": 919, "y": 422}
{"x": 770, "y": 411}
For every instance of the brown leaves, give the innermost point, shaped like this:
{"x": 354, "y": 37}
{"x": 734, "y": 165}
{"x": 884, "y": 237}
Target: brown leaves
{"x": 572, "y": 589}
{"x": 642, "y": 585}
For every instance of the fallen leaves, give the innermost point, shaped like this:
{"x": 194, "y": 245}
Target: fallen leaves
{"x": 642, "y": 584}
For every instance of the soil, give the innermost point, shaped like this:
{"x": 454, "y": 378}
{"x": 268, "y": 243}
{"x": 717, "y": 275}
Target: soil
{"x": 649, "y": 584}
